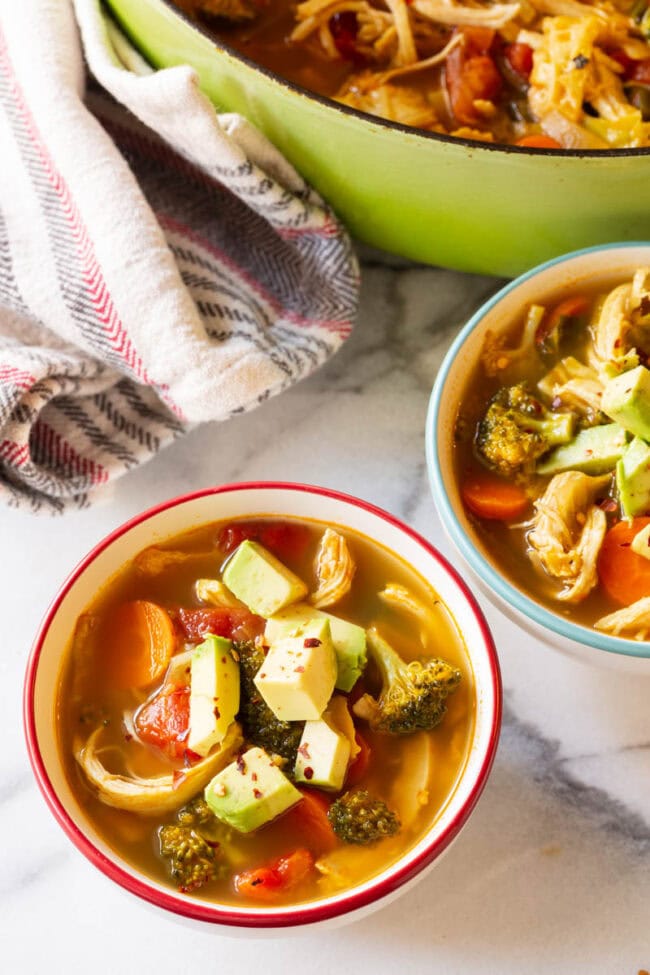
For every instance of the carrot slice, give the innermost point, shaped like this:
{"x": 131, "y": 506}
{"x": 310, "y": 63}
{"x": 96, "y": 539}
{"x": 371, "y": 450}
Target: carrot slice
{"x": 538, "y": 142}
{"x": 137, "y": 644}
{"x": 309, "y": 819}
{"x": 488, "y": 496}
{"x": 569, "y": 308}
{"x": 624, "y": 575}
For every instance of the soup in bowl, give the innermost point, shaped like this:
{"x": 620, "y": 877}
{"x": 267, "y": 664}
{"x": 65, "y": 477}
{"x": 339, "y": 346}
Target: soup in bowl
{"x": 538, "y": 455}
{"x": 263, "y": 705}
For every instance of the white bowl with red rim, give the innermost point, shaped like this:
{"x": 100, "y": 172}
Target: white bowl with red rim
{"x": 221, "y": 504}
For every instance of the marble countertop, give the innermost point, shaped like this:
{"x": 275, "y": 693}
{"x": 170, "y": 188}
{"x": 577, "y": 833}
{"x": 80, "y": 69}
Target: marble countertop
{"x": 552, "y": 873}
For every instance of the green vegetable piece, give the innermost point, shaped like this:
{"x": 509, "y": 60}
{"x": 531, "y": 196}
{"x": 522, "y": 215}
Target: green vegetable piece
{"x": 626, "y": 399}
{"x": 633, "y": 479}
{"x": 298, "y": 674}
{"x": 259, "y": 724}
{"x": 214, "y": 693}
{"x": 323, "y": 756}
{"x": 348, "y": 639}
{"x": 359, "y": 818}
{"x": 261, "y": 581}
{"x": 516, "y": 430}
{"x": 413, "y": 695}
{"x": 594, "y": 450}
{"x": 193, "y": 846}
{"x": 250, "y": 792}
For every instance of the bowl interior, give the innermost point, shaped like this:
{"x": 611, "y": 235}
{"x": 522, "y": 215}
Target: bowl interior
{"x": 237, "y": 501}
{"x": 606, "y": 266}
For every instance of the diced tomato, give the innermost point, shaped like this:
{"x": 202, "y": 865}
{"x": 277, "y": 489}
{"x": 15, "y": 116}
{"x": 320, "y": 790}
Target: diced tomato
{"x": 262, "y": 884}
{"x": 344, "y": 28}
{"x": 471, "y": 74}
{"x": 309, "y": 820}
{"x": 165, "y": 720}
{"x": 359, "y": 766}
{"x": 285, "y": 539}
{"x": 231, "y": 622}
{"x": 639, "y": 72}
{"x": 520, "y": 58}
{"x": 267, "y": 883}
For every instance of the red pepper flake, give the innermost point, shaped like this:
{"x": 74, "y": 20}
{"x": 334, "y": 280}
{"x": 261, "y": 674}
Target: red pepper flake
{"x": 223, "y": 660}
{"x": 128, "y": 737}
{"x": 308, "y": 773}
{"x": 312, "y": 641}
{"x": 241, "y": 764}
{"x": 254, "y": 776}
{"x": 625, "y": 544}
{"x": 304, "y": 750}
{"x": 256, "y": 882}
{"x": 257, "y": 793}
{"x": 299, "y": 669}
{"x": 217, "y": 713}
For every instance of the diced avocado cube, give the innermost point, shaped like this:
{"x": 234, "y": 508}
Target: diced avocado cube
{"x": 250, "y": 792}
{"x": 633, "y": 479}
{"x": 214, "y": 693}
{"x": 349, "y": 639}
{"x": 323, "y": 756}
{"x": 261, "y": 581}
{"x": 641, "y": 542}
{"x": 626, "y": 399}
{"x": 298, "y": 674}
{"x": 595, "y": 450}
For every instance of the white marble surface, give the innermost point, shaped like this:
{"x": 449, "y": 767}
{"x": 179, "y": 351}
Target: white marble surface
{"x": 552, "y": 874}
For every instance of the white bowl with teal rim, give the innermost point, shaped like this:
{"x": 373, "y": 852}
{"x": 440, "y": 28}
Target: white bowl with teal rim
{"x": 607, "y": 264}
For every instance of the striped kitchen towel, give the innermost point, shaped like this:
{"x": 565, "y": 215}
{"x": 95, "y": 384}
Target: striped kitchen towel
{"x": 160, "y": 265}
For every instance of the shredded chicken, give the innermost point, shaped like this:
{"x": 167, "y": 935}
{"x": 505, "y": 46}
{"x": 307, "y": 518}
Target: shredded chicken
{"x": 214, "y": 593}
{"x": 467, "y": 14}
{"x": 161, "y": 793}
{"x": 497, "y": 358}
{"x": 575, "y": 385}
{"x": 335, "y": 570}
{"x": 568, "y": 530}
{"x": 405, "y": 105}
{"x": 632, "y": 621}
{"x": 152, "y": 561}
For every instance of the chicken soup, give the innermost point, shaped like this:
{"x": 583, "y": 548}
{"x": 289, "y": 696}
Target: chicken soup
{"x": 553, "y": 454}
{"x": 265, "y": 712}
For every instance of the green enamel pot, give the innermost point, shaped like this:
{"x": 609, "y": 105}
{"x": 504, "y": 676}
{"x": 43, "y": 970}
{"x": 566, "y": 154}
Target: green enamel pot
{"x": 467, "y": 205}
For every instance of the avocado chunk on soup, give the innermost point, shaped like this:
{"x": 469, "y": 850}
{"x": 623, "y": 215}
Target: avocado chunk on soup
{"x": 249, "y": 756}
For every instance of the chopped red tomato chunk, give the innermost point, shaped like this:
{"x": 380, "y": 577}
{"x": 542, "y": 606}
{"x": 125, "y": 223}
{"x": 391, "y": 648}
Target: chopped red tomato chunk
{"x": 232, "y": 622}
{"x": 284, "y": 538}
{"x": 165, "y": 720}
{"x": 266, "y": 883}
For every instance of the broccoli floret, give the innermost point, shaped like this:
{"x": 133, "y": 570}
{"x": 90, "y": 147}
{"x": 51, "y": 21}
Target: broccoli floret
{"x": 413, "y": 695}
{"x": 260, "y": 725}
{"x": 517, "y": 429}
{"x": 357, "y": 817}
{"x": 192, "y": 846}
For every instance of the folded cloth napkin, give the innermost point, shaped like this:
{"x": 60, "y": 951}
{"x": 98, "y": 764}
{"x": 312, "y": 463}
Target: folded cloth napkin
{"x": 160, "y": 265}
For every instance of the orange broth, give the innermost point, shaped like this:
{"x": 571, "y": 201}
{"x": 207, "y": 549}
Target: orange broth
{"x": 395, "y": 764}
